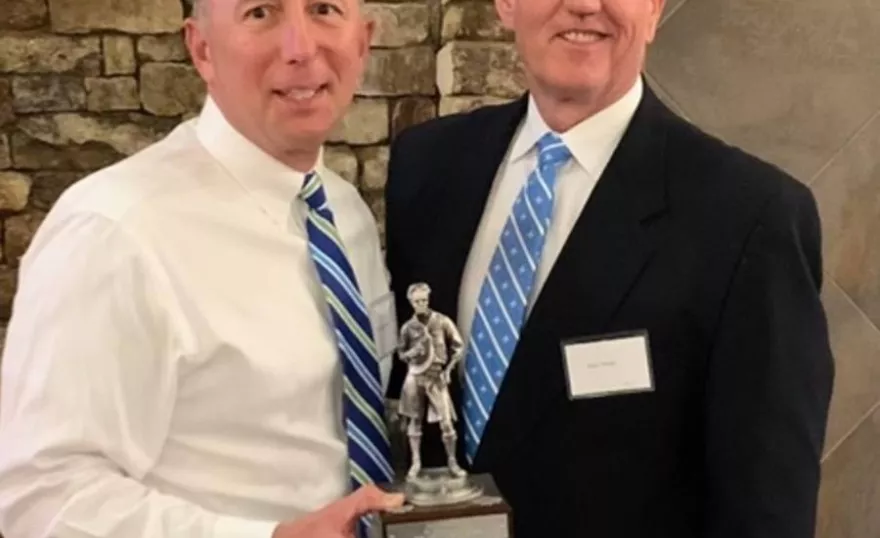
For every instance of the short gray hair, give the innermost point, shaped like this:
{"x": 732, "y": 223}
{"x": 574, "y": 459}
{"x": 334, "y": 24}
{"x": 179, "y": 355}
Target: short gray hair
{"x": 197, "y": 8}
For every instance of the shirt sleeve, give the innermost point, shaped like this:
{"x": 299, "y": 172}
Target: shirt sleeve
{"x": 771, "y": 375}
{"x": 89, "y": 378}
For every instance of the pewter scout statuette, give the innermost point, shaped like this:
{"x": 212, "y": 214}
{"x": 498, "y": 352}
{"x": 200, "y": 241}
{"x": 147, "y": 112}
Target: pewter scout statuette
{"x": 432, "y": 347}
{"x": 441, "y": 502}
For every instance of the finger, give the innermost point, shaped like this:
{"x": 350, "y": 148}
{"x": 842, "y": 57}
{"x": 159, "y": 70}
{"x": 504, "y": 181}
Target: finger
{"x": 373, "y": 498}
{"x": 367, "y": 499}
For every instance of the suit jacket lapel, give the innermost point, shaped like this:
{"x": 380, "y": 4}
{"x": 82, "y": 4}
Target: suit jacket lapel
{"x": 609, "y": 246}
{"x": 461, "y": 194}
{"x": 618, "y": 229}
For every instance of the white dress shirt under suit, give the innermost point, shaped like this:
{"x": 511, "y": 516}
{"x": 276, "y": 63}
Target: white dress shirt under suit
{"x": 169, "y": 370}
{"x": 591, "y": 142}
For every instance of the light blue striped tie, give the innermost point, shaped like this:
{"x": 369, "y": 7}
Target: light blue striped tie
{"x": 363, "y": 404}
{"x": 507, "y": 290}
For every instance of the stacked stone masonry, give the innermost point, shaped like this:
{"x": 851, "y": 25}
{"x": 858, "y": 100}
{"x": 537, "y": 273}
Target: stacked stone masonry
{"x": 85, "y": 83}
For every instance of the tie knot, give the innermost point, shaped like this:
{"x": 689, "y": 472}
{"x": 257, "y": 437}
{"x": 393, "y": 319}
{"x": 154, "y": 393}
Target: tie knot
{"x": 312, "y": 192}
{"x": 552, "y": 150}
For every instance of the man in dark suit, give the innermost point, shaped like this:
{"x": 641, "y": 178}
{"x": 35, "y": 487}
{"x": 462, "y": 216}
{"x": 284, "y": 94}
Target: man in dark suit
{"x": 648, "y": 355}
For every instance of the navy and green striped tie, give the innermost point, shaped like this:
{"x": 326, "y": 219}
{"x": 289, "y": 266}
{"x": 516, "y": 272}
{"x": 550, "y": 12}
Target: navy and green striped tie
{"x": 363, "y": 404}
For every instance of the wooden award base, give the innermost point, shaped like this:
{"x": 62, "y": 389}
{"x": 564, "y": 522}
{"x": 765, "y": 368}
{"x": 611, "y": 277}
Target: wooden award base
{"x": 484, "y": 516}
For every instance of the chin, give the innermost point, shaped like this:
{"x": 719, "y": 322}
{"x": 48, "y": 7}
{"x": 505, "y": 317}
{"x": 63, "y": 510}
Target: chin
{"x": 571, "y": 90}
{"x": 319, "y": 122}
{"x": 315, "y": 126}
{"x": 574, "y": 78}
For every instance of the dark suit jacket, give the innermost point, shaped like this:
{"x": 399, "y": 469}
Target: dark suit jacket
{"x": 712, "y": 252}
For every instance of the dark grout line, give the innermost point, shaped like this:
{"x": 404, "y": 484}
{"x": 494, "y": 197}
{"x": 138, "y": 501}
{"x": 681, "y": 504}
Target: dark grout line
{"x": 859, "y": 423}
{"x": 670, "y": 14}
{"x": 858, "y": 132}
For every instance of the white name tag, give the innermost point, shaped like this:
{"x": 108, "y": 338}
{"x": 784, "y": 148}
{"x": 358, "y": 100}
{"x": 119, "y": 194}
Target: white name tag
{"x": 608, "y": 365}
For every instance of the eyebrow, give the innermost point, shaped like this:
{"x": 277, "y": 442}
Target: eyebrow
{"x": 240, "y": 3}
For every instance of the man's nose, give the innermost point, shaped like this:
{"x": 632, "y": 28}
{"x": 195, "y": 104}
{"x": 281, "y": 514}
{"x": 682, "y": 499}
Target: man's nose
{"x": 297, "y": 38}
{"x": 583, "y": 7}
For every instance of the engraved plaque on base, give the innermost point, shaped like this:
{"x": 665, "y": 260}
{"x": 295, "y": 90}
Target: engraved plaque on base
{"x": 482, "y": 514}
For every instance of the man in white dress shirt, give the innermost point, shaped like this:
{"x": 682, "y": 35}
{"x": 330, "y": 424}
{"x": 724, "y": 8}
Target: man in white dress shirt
{"x": 169, "y": 370}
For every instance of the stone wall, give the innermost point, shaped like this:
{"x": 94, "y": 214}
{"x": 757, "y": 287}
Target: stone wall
{"x": 84, "y": 83}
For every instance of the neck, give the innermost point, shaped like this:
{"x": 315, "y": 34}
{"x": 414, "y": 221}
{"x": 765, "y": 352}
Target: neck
{"x": 302, "y": 161}
{"x": 563, "y": 110}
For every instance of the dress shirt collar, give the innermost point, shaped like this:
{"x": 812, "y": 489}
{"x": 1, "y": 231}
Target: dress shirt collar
{"x": 591, "y": 141}
{"x": 274, "y": 184}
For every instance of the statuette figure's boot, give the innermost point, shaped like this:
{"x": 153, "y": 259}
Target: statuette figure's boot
{"x": 454, "y": 468}
{"x": 416, "y": 466}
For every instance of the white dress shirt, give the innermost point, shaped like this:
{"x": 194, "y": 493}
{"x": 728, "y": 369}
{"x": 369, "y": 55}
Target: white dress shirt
{"x": 591, "y": 142}
{"x": 169, "y": 370}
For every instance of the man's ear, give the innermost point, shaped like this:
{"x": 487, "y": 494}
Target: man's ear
{"x": 505, "y": 9}
{"x": 367, "y": 37}
{"x": 656, "y": 13}
{"x": 198, "y": 48}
